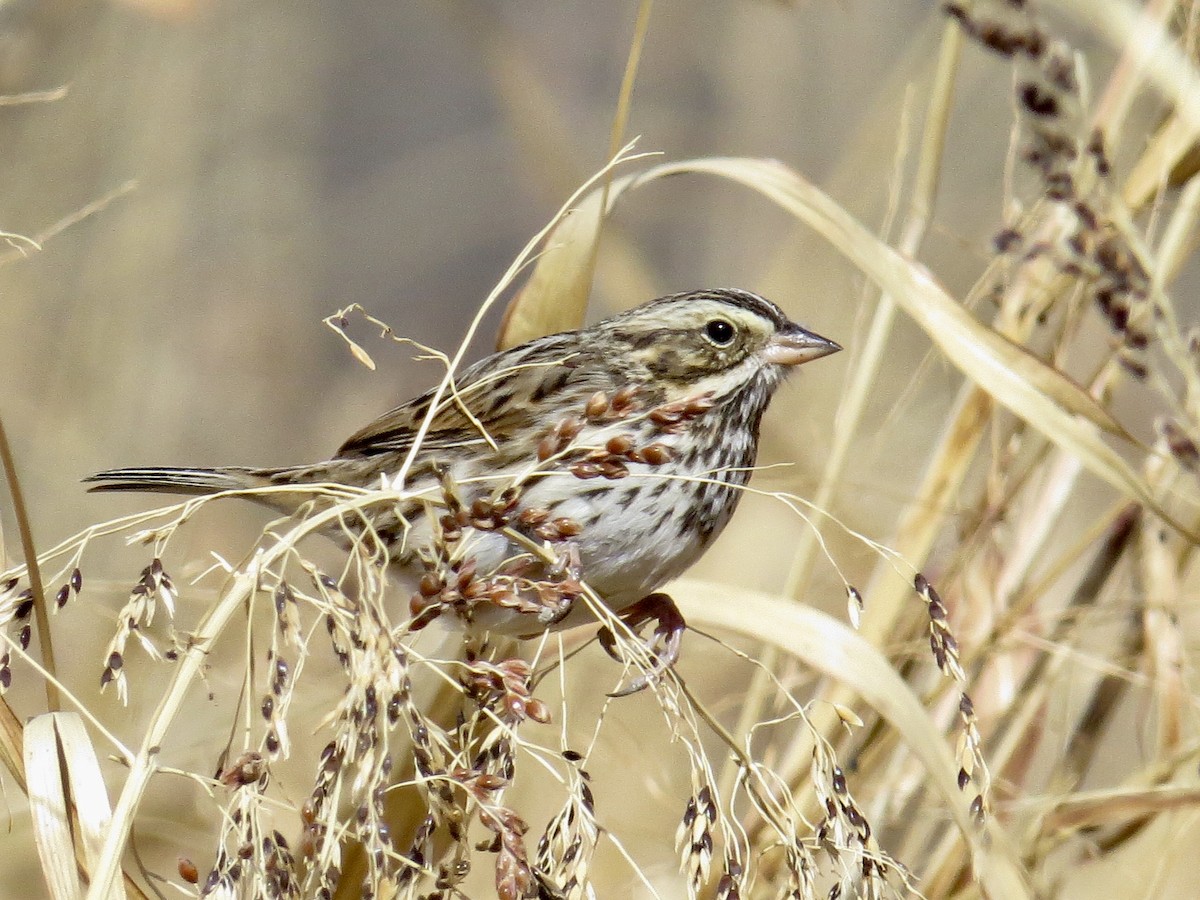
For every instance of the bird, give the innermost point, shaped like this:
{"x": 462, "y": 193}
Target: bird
{"x": 611, "y": 456}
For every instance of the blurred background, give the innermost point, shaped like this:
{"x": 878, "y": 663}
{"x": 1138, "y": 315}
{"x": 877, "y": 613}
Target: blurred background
{"x": 218, "y": 177}
{"x": 288, "y": 162}
{"x": 257, "y": 169}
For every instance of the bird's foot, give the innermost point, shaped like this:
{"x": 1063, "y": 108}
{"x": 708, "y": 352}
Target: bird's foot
{"x": 663, "y": 644}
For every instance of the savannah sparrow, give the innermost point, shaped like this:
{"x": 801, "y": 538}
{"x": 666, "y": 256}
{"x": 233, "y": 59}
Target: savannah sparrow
{"x": 619, "y": 449}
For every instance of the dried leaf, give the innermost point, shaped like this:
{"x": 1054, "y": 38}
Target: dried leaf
{"x": 48, "y": 810}
{"x": 555, "y": 296}
{"x": 63, "y": 774}
{"x": 92, "y": 809}
{"x": 1037, "y": 392}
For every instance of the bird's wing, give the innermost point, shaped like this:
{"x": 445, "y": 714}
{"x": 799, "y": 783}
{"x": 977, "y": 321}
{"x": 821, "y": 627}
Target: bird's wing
{"x": 492, "y": 396}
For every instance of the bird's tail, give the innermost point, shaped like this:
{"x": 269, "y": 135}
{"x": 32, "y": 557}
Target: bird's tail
{"x": 170, "y": 480}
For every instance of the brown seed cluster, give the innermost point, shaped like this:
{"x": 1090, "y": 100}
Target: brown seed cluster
{"x": 1002, "y": 28}
{"x": 13, "y": 602}
{"x": 525, "y": 585}
{"x": 694, "y": 837}
{"x": 542, "y": 525}
{"x": 514, "y": 876}
{"x": 729, "y": 887}
{"x": 452, "y": 583}
{"x": 504, "y": 687}
{"x": 249, "y": 768}
{"x": 284, "y": 600}
{"x": 251, "y": 861}
{"x": 22, "y": 610}
{"x": 461, "y": 771}
{"x": 1050, "y": 100}
{"x": 601, "y": 407}
{"x": 463, "y": 766}
{"x": 419, "y": 854}
{"x": 941, "y": 640}
{"x": 612, "y": 460}
{"x": 356, "y": 766}
{"x": 598, "y": 408}
{"x": 567, "y": 845}
{"x": 482, "y": 513}
{"x": 153, "y": 586}
{"x": 844, "y": 808}
{"x": 275, "y": 701}
{"x": 674, "y": 417}
{"x": 465, "y": 771}
{"x": 945, "y": 652}
{"x": 1073, "y": 167}
{"x": 1047, "y": 94}
{"x": 559, "y": 438}
{"x": 846, "y": 837}
{"x": 799, "y": 868}
{"x": 1179, "y": 443}
{"x": 16, "y": 606}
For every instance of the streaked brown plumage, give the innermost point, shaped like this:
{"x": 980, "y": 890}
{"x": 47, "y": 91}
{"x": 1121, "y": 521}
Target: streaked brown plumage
{"x": 638, "y": 432}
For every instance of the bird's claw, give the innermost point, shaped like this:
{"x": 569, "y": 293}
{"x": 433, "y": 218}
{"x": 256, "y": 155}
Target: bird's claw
{"x": 663, "y": 644}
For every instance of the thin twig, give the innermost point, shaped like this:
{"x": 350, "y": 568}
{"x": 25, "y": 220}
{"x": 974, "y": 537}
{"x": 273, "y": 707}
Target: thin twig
{"x": 52, "y": 231}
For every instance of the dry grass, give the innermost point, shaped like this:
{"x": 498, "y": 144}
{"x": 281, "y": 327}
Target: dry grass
{"x": 985, "y": 691}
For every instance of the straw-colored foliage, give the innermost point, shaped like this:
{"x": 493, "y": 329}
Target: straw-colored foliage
{"x": 947, "y": 655}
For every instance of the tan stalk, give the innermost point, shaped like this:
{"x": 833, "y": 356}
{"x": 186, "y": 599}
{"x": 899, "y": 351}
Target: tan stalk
{"x": 874, "y": 351}
{"x": 57, "y": 228}
{"x": 45, "y": 640}
{"x": 1015, "y": 573}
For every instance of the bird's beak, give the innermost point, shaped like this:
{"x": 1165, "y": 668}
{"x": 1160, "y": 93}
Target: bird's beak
{"x": 794, "y": 345}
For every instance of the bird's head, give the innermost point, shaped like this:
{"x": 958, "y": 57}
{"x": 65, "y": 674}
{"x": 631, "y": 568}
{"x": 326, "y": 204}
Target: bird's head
{"x": 716, "y": 342}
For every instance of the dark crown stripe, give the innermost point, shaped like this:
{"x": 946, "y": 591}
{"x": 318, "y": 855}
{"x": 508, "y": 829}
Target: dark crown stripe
{"x": 734, "y": 297}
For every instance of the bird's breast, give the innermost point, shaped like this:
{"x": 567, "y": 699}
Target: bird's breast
{"x": 636, "y": 531}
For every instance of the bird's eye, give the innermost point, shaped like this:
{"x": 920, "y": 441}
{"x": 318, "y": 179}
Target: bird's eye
{"x": 719, "y": 332}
